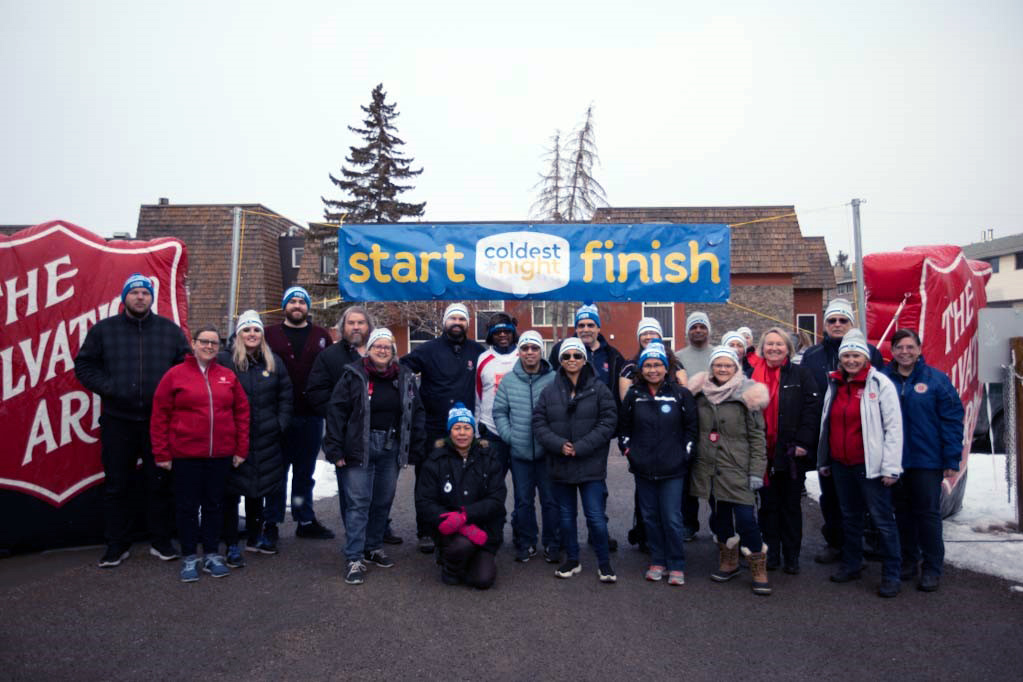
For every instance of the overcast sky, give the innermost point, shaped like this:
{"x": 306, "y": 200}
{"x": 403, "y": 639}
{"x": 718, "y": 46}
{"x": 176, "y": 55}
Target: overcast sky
{"x": 912, "y": 106}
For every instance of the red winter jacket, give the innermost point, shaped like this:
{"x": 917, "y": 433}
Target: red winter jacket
{"x": 199, "y": 415}
{"x": 846, "y": 436}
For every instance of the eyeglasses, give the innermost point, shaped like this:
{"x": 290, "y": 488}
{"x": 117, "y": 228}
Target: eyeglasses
{"x": 529, "y": 348}
{"x": 208, "y": 343}
{"x": 837, "y": 320}
{"x": 573, "y": 356}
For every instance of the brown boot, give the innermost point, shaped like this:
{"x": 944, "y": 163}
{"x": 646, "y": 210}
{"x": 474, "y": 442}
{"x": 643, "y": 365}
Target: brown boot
{"x": 728, "y": 560}
{"x": 758, "y": 568}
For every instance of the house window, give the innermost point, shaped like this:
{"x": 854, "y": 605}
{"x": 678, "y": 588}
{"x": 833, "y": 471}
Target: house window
{"x": 418, "y": 337}
{"x": 993, "y": 262}
{"x": 541, "y": 315}
{"x": 296, "y": 257}
{"x": 809, "y": 324}
{"x": 1019, "y": 260}
{"x": 328, "y": 257}
{"x": 665, "y": 314}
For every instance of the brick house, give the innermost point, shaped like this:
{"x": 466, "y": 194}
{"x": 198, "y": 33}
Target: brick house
{"x": 206, "y": 231}
{"x": 776, "y": 271}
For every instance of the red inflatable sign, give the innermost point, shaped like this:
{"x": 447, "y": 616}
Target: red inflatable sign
{"x": 937, "y": 291}
{"x": 58, "y": 280}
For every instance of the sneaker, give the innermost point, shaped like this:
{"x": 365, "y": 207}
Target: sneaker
{"x": 889, "y": 588}
{"x": 655, "y": 573}
{"x": 114, "y": 555}
{"x": 392, "y": 539}
{"x": 264, "y": 545}
{"x": 356, "y": 573}
{"x": 426, "y": 544}
{"x": 829, "y": 555}
{"x": 552, "y": 555}
{"x": 314, "y": 530}
{"x": 525, "y": 554}
{"x": 844, "y": 575}
{"x": 606, "y": 574}
{"x": 928, "y": 582}
{"x": 234, "y": 557}
{"x": 190, "y": 569}
{"x": 688, "y": 534}
{"x": 677, "y": 578}
{"x": 214, "y": 565}
{"x": 568, "y": 569}
{"x": 164, "y": 551}
{"x": 791, "y": 566}
{"x": 380, "y": 558}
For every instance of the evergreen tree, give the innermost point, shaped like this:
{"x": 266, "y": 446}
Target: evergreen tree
{"x": 374, "y": 170}
{"x": 583, "y": 194}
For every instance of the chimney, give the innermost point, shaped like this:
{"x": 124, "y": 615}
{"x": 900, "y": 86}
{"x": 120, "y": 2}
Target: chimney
{"x": 164, "y": 201}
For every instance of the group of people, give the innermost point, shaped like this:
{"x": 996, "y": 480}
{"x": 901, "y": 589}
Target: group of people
{"x": 737, "y": 424}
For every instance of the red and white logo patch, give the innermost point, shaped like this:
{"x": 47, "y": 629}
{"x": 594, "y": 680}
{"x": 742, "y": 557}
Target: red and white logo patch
{"x": 920, "y": 388}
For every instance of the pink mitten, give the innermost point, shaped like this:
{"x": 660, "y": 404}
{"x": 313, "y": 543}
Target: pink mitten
{"x": 476, "y": 535}
{"x": 451, "y": 522}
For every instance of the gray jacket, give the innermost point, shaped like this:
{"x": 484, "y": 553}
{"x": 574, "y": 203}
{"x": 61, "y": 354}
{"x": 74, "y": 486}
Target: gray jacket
{"x": 881, "y": 421}
{"x": 517, "y": 395}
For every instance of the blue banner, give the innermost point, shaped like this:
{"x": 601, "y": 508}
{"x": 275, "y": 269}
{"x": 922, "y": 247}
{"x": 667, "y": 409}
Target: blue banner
{"x": 544, "y": 261}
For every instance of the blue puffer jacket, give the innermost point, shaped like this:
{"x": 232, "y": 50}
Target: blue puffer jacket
{"x": 517, "y": 395}
{"x": 932, "y": 418}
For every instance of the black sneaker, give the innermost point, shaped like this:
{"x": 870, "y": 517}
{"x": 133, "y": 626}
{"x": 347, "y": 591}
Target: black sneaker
{"x": 551, "y": 555}
{"x": 845, "y": 576}
{"x": 606, "y": 573}
{"x": 356, "y": 574}
{"x": 525, "y": 554}
{"x": 928, "y": 583}
{"x": 688, "y": 534}
{"x": 426, "y": 544}
{"x": 568, "y": 569}
{"x": 392, "y": 539}
{"x": 889, "y": 588}
{"x": 830, "y": 555}
{"x": 164, "y": 551}
{"x": 379, "y": 557}
{"x": 114, "y": 555}
{"x": 314, "y": 530}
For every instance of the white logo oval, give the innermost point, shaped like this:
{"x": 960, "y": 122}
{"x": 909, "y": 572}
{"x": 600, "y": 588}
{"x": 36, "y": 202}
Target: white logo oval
{"x": 447, "y": 487}
{"x": 522, "y": 262}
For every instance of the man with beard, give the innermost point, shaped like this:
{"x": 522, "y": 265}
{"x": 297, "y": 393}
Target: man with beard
{"x": 447, "y": 375}
{"x": 355, "y": 326}
{"x": 695, "y": 356}
{"x": 491, "y": 367}
{"x": 822, "y": 359}
{"x": 122, "y": 360}
{"x": 298, "y": 342}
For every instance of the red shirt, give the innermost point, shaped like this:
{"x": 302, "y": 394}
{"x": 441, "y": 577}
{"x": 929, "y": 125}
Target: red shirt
{"x": 845, "y": 433}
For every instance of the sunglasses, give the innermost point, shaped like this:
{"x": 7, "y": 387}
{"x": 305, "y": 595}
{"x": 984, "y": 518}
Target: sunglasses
{"x": 572, "y": 356}
{"x": 837, "y": 320}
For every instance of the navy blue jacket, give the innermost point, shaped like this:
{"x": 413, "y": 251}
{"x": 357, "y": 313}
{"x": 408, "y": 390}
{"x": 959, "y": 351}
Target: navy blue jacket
{"x": 822, "y": 360}
{"x": 659, "y": 431}
{"x": 447, "y": 375}
{"x": 932, "y": 418}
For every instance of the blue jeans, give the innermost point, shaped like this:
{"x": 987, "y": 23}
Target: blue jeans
{"x": 917, "y": 498}
{"x": 369, "y": 492}
{"x": 857, "y": 495}
{"x": 729, "y": 518}
{"x": 660, "y": 507}
{"x": 301, "y": 448}
{"x": 528, "y": 478}
{"x": 592, "y": 494}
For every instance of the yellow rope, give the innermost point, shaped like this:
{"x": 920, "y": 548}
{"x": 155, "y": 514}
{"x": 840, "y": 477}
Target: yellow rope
{"x": 764, "y": 220}
{"x": 783, "y": 323}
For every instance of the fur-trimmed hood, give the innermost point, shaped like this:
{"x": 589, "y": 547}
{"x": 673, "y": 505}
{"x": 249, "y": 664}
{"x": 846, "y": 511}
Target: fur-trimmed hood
{"x": 755, "y": 395}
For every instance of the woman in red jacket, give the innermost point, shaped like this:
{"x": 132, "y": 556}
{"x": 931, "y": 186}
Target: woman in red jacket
{"x": 200, "y": 424}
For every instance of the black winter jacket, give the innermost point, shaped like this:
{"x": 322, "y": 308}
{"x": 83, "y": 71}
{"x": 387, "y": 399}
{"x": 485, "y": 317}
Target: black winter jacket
{"x": 615, "y": 361}
{"x": 587, "y": 420}
{"x": 270, "y": 406}
{"x": 446, "y": 483}
{"x": 327, "y": 370}
{"x": 447, "y": 372}
{"x": 799, "y": 414}
{"x": 659, "y": 431}
{"x": 348, "y": 418}
{"x": 123, "y": 359}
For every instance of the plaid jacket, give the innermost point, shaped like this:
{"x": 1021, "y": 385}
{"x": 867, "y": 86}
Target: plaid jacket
{"x": 123, "y": 359}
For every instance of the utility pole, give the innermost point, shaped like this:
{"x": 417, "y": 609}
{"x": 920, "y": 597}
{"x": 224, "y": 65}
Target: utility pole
{"x": 861, "y": 306}
{"x": 232, "y": 290}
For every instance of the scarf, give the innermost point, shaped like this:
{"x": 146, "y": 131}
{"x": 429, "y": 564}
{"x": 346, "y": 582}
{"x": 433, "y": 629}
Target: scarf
{"x": 771, "y": 377}
{"x": 730, "y": 389}
{"x": 389, "y": 374}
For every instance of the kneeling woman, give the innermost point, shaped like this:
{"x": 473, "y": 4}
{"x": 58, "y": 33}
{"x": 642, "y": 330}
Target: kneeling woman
{"x": 200, "y": 425}
{"x": 460, "y": 494}
{"x": 731, "y": 461}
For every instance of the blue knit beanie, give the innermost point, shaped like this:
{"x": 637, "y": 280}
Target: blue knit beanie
{"x": 460, "y": 414}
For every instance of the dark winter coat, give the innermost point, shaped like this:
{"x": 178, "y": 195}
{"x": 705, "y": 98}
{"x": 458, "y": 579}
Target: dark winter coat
{"x": 299, "y": 366}
{"x": 615, "y": 361}
{"x": 348, "y": 418}
{"x": 446, "y": 483}
{"x": 327, "y": 370}
{"x": 822, "y": 359}
{"x": 799, "y": 414}
{"x": 447, "y": 372}
{"x": 270, "y": 404}
{"x": 123, "y": 359}
{"x": 723, "y": 467}
{"x": 932, "y": 418}
{"x": 587, "y": 420}
{"x": 659, "y": 431}
{"x": 516, "y": 396}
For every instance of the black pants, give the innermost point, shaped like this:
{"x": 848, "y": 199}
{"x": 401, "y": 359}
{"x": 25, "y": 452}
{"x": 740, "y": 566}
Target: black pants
{"x": 200, "y": 483}
{"x": 832, "y": 513}
{"x": 423, "y": 528}
{"x": 690, "y": 508}
{"x": 781, "y": 516}
{"x": 917, "y": 498}
{"x": 462, "y": 561}
{"x": 253, "y": 519}
{"x": 124, "y": 443}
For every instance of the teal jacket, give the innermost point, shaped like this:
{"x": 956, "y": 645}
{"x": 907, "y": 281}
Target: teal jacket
{"x": 517, "y": 395}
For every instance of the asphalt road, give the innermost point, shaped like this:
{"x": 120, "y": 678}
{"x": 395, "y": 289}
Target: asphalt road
{"x": 292, "y": 617}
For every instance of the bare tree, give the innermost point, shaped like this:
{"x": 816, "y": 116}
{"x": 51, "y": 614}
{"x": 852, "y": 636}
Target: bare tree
{"x": 549, "y": 201}
{"x": 583, "y": 194}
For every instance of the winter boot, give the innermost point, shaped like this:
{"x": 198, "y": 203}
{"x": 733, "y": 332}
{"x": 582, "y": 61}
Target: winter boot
{"x": 758, "y": 568}
{"x": 728, "y": 560}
